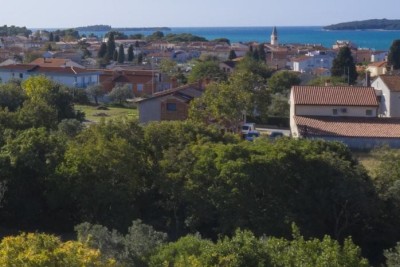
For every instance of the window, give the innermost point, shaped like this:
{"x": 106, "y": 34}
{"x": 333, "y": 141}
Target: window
{"x": 343, "y": 110}
{"x": 334, "y": 111}
{"x": 140, "y": 87}
{"x": 171, "y": 106}
{"x": 21, "y": 75}
{"x": 368, "y": 112}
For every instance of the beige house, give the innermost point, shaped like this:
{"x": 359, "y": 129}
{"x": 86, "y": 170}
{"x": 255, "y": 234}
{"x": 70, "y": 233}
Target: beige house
{"x": 331, "y": 101}
{"x": 377, "y": 68}
{"x": 172, "y": 104}
{"x": 344, "y": 114}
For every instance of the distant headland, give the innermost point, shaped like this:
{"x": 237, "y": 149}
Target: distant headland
{"x": 371, "y": 24}
{"x": 109, "y": 28}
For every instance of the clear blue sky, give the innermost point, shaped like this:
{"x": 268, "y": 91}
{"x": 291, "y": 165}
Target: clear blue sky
{"x": 192, "y": 13}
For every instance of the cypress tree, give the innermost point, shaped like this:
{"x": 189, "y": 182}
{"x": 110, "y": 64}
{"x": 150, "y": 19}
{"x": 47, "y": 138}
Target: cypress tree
{"x": 344, "y": 66}
{"x": 261, "y": 52}
{"x": 51, "y": 37}
{"x": 121, "y": 54}
{"x": 102, "y": 51}
{"x": 256, "y": 55}
{"x": 131, "y": 56}
{"x": 115, "y": 56}
{"x": 110, "y": 45}
{"x": 140, "y": 58}
{"x": 394, "y": 55}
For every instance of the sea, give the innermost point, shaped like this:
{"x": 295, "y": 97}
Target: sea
{"x": 372, "y": 39}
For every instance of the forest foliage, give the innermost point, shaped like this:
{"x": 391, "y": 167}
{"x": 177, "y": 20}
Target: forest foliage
{"x": 202, "y": 196}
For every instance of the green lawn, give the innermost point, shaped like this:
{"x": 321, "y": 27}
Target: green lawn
{"x": 93, "y": 114}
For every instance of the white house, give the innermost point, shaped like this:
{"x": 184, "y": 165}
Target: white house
{"x": 388, "y": 90}
{"x": 313, "y": 60}
{"x": 69, "y": 76}
{"x": 378, "y": 56}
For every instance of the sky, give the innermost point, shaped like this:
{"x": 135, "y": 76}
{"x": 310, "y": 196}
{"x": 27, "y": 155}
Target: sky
{"x": 192, "y": 13}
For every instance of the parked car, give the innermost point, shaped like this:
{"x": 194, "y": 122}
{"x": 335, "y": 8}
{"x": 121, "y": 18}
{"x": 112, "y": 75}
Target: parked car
{"x": 247, "y": 127}
{"x": 251, "y": 135}
{"x": 275, "y": 134}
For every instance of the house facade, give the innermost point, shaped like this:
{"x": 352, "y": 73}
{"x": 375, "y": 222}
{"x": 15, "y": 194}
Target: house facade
{"x": 345, "y": 114}
{"x": 388, "y": 89}
{"x": 377, "y": 68}
{"x": 168, "y": 105}
{"x": 142, "y": 82}
{"x": 68, "y": 76}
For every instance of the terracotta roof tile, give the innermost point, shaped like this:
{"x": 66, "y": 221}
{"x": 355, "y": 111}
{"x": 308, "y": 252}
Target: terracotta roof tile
{"x": 334, "y": 95}
{"x": 392, "y": 82}
{"x": 378, "y": 64}
{"x": 348, "y": 126}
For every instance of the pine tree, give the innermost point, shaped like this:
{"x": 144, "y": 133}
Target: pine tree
{"x": 115, "y": 56}
{"x": 121, "y": 54}
{"x": 344, "y": 66}
{"x": 102, "y": 51}
{"x": 131, "y": 56}
{"x": 110, "y": 45}
{"x": 232, "y": 55}
{"x": 394, "y": 55}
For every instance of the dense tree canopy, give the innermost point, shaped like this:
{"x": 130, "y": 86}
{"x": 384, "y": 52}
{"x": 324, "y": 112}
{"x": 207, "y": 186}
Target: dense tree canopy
{"x": 394, "y": 55}
{"x": 344, "y": 66}
{"x": 206, "y": 70}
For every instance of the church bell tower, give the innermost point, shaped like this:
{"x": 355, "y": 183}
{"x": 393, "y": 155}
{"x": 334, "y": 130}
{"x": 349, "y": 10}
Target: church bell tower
{"x": 274, "y": 37}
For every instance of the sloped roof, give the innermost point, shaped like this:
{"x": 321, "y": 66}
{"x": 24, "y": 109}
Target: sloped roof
{"x": 392, "y": 82}
{"x": 310, "y": 126}
{"x": 186, "y": 91}
{"x": 334, "y": 96}
{"x": 50, "y": 62}
{"x": 19, "y": 67}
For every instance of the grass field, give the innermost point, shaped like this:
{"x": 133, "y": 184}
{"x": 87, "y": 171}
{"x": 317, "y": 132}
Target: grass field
{"x": 94, "y": 114}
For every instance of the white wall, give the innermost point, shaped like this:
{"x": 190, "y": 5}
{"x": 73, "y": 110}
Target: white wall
{"x": 351, "y": 111}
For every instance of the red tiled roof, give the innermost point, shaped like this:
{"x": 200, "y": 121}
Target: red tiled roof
{"x": 66, "y": 70}
{"x": 50, "y": 62}
{"x": 334, "y": 96}
{"x": 348, "y": 126}
{"x": 19, "y": 67}
{"x": 378, "y": 64}
{"x": 392, "y": 82}
{"x": 173, "y": 91}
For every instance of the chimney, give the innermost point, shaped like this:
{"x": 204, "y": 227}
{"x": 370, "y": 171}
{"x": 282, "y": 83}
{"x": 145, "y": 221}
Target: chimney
{"x": 367, "y": 79}
{"x": 328, "y": 82}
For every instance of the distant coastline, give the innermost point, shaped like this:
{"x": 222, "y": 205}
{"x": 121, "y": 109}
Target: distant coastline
{"x": 372, "y": 24}
{"x": 99, "y": 28}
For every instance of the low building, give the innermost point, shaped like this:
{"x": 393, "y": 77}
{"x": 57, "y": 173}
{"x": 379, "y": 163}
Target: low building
{"x": 172, "y": 104}
{"x": 68, "y": 76}
{"x": 388, "y": 89}
{"x": 345, "y": 114}
{"x": 142, "y": 82}
{"x": 377, "y": 68}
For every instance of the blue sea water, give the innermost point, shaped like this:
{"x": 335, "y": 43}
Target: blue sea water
{"x": 374, "y": 39}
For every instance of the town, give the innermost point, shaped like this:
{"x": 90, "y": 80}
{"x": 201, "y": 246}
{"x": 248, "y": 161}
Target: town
{"x": 174, "y": 150}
